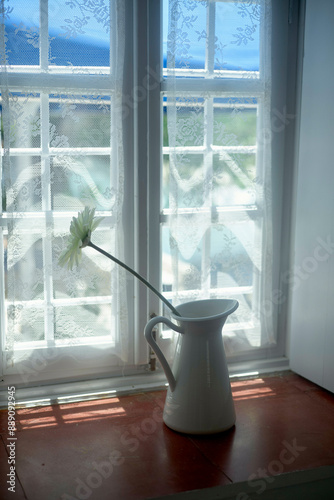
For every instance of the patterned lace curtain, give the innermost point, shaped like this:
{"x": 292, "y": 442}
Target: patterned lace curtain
{"x": 62, "y": 150}
{"x": 217, "y": 160}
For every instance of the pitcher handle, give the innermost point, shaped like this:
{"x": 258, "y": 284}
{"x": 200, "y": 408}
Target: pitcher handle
{"x": 149, "y": 337}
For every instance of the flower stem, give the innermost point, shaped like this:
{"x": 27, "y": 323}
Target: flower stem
{"x": 138, "y": 276}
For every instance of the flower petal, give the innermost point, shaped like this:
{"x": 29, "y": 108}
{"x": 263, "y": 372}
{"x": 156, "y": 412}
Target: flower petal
{"x": 81, "y": 228}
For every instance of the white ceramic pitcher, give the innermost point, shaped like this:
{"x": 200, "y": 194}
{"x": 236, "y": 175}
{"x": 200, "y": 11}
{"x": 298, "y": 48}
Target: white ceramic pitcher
{"x": 199, "y": 398}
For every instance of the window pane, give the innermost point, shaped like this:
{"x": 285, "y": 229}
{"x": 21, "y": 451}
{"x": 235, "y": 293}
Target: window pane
{"x": 190, "y": 125}
{"x": 25, "y": 324}
{"x": 25, "y": 262}
{"x": 77, "y": 322}
{"x": 93, "y": 278}
{"x": 187, "y": 274}
{"x": 190, "y": 174}
{"x": 24, "y": 110}
{"x": 79, "y": 121}
{"x": 195, "y": 42}
{"x": 230, "y": 44}
{"x": 190, "y": 121}
{"x": 22, "y": 30}
{"x": 76, "y": 30}
{"x": 231, "y": 251}
{"x": 237, "y": 36}
{"x": 234, "y": 121}
{"x": 233, "y": 179}
{"x": 81, "y": 180}
{"x": 232, "y": 254}
{"x": 24, "y": 192}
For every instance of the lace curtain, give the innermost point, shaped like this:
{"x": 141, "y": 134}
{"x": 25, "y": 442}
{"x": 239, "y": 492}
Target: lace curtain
{"x": 62, "y": 149}
{"x": 217, "y": 161}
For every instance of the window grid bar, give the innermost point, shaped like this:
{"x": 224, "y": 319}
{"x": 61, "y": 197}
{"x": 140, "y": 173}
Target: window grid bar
{"x": 210, "y": 42}
{"x": 107, "y": 216}
{"x": 58, "y": 82}
{"x": 227, "y": 291}
{"x": 208, "y": 156}
{"x": 239, "y": 213}
{"x": 69, "y": 301}
{"x": 4, "y": 162}
{"x": 60, "y": 151}
{"x": 208, "y": 165}
{"x": 46, "y": 178}
{"x": 33, "y": 69}
{"x": 224, "y": 87}
{"x": 44, "y": 35}
{"x": 215, "y": 149}
{"x": 106, "y": 151}
{"x": 227, "y": 105}
{"x": 46, "y": 208}
{"x": 216, "y": 73}
{"x": 78, "y": 342}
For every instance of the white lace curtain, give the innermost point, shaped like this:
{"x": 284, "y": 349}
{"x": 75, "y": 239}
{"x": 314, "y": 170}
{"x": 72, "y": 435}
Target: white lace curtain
{"x": 62, "y": 149}
{"x": 217, "y": 160}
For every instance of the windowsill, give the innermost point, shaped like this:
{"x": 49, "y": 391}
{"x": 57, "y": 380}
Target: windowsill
{"x": 95, "y": 386}
{"x": 284, "y": 424}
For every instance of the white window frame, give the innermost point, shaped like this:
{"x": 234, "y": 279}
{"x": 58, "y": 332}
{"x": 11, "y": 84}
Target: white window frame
{"x": 143, "y": 217}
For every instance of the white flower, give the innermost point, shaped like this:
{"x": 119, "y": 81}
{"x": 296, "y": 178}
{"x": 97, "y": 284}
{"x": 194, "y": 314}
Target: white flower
{"x": 81, "y": 229}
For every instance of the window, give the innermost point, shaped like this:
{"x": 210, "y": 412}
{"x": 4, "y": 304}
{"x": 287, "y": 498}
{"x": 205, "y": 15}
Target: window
{"x": 59, "y": 113}
{"x": 95, "y": 99}
{"x": 216, "y": 216}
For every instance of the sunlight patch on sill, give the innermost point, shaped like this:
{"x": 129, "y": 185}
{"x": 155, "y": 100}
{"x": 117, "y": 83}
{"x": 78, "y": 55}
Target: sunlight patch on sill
{"x": 51, "y": 416}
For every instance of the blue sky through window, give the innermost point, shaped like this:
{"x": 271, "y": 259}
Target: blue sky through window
{"x": 236, "y": 31}
{"x": 74, "y": 33}
{"x": 79, "y": 32}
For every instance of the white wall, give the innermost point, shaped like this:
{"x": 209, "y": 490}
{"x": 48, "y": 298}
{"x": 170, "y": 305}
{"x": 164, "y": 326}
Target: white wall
{"x": 311, "y": 328}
